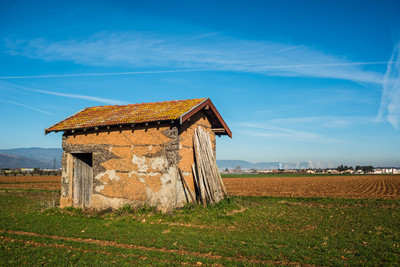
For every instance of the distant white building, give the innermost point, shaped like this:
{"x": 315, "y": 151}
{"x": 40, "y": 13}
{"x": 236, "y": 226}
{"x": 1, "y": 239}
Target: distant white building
{"x": 27, "y": 170}
{"x": 386, "y": 171}
{"x": 332, "y": 171}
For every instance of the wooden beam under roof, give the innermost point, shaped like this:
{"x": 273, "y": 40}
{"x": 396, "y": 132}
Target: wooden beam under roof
{"x": 211, "y": 112}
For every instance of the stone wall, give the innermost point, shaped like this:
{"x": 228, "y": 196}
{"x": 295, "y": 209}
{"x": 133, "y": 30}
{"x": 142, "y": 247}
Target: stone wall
{"x": 131, "y": 166}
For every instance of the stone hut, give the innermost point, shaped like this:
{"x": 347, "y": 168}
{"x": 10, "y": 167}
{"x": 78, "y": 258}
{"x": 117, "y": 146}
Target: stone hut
{"x": 138, "y": 154}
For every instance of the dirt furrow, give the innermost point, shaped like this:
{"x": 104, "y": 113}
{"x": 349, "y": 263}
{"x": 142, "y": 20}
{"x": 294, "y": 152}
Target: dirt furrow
{"x": 385, "y": 187}
{"x": 394, "y": 186}
{"x": 165, "y": 250}
{"x": 63, "y": 246}
{"x": 359, "y": 187}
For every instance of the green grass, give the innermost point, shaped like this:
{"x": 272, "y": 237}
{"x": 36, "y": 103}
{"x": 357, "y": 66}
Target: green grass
{"x": 239, "y": 231}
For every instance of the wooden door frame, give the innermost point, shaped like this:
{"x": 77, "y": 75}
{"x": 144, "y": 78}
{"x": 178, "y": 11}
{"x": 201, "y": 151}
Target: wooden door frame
{"x": 81, "y": 200}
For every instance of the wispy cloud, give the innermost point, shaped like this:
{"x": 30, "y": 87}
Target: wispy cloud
{"x": 325, "y": 121}
{"x": 96, "y": 74}
{"x": 77, "y": 96}
{"x": 267, "y": 130}
{"x": 91, "y": 98}
{"x": 197, "y": 53}
{"x": 26, "y": 106}
{"x": 390, "y": 102}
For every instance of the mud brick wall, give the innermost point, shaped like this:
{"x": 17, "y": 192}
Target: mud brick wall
{"x": 131, "y": 166}
{"x": 135, "y": 166}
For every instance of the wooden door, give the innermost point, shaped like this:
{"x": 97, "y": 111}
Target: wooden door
{"x": 83, "y": 179}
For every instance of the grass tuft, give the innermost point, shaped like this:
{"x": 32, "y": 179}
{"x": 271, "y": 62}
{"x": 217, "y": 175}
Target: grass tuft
{"x": 50, "y": 203}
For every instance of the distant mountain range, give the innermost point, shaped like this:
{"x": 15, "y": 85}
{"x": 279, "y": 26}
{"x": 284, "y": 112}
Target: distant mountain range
{"x": 36, "y": 157}
{"x": 233, "y": 164}
{"x": 33, "y": 157}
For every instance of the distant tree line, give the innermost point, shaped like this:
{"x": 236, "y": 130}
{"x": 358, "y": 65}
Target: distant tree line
{"x": 35, "y": 172}
{"x": 365, "y": 169}
{"x": 342, "y": 168}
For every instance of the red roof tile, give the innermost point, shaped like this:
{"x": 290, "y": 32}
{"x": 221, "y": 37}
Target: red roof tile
{"x": 126, "y": 114}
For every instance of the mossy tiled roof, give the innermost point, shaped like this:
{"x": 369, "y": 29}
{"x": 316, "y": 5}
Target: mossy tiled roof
{"x": 126, "y": 114}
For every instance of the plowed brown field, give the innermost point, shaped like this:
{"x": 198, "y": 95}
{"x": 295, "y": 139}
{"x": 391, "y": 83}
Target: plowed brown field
{"x": 30, "y": 182}
{"x": 357, "y": 186}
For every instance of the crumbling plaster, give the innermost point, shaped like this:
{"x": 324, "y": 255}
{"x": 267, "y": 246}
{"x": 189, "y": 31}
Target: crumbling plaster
{"x": 135, "y": 166}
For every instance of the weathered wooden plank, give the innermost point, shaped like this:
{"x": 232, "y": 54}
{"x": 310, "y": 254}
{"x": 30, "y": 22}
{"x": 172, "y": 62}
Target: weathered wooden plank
{"x": 199, "y": 171}
{"x": 77, "y": 182}
{"x": 208, "y": 159}
{"x": 196, "y": 181}
{"x": 70, "y": 174}
{"x": 186, "y": 185}
{"x": 83, "y": 180}
{"x": 204, "y": 170}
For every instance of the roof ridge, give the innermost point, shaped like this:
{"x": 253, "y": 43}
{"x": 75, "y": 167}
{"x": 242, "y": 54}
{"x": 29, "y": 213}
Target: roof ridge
{"x": 158, "y": 102}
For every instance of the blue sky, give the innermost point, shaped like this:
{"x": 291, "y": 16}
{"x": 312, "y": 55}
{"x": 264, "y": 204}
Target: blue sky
{"x": 296, "y": 81}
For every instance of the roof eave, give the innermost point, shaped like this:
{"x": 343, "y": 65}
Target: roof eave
{"x": 204, "y": 103}
{"x": 47, "y": 131}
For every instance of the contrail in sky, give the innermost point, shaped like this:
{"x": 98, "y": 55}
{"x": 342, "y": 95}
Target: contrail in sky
{"x": 99, "y": 74}
{"x": 323, "y": 65}
{"x": 390, "y": 102}
{"x": 86, "y": 97}
{"x": 91, "y": 98}
{"x": 26, "y": 106}
{"x": 193, "y": 70}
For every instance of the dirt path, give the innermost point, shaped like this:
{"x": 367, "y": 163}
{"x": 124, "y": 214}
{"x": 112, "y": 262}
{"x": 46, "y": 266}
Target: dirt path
{"x": 106, "y": 243}
{"x": 62, "y": 246}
